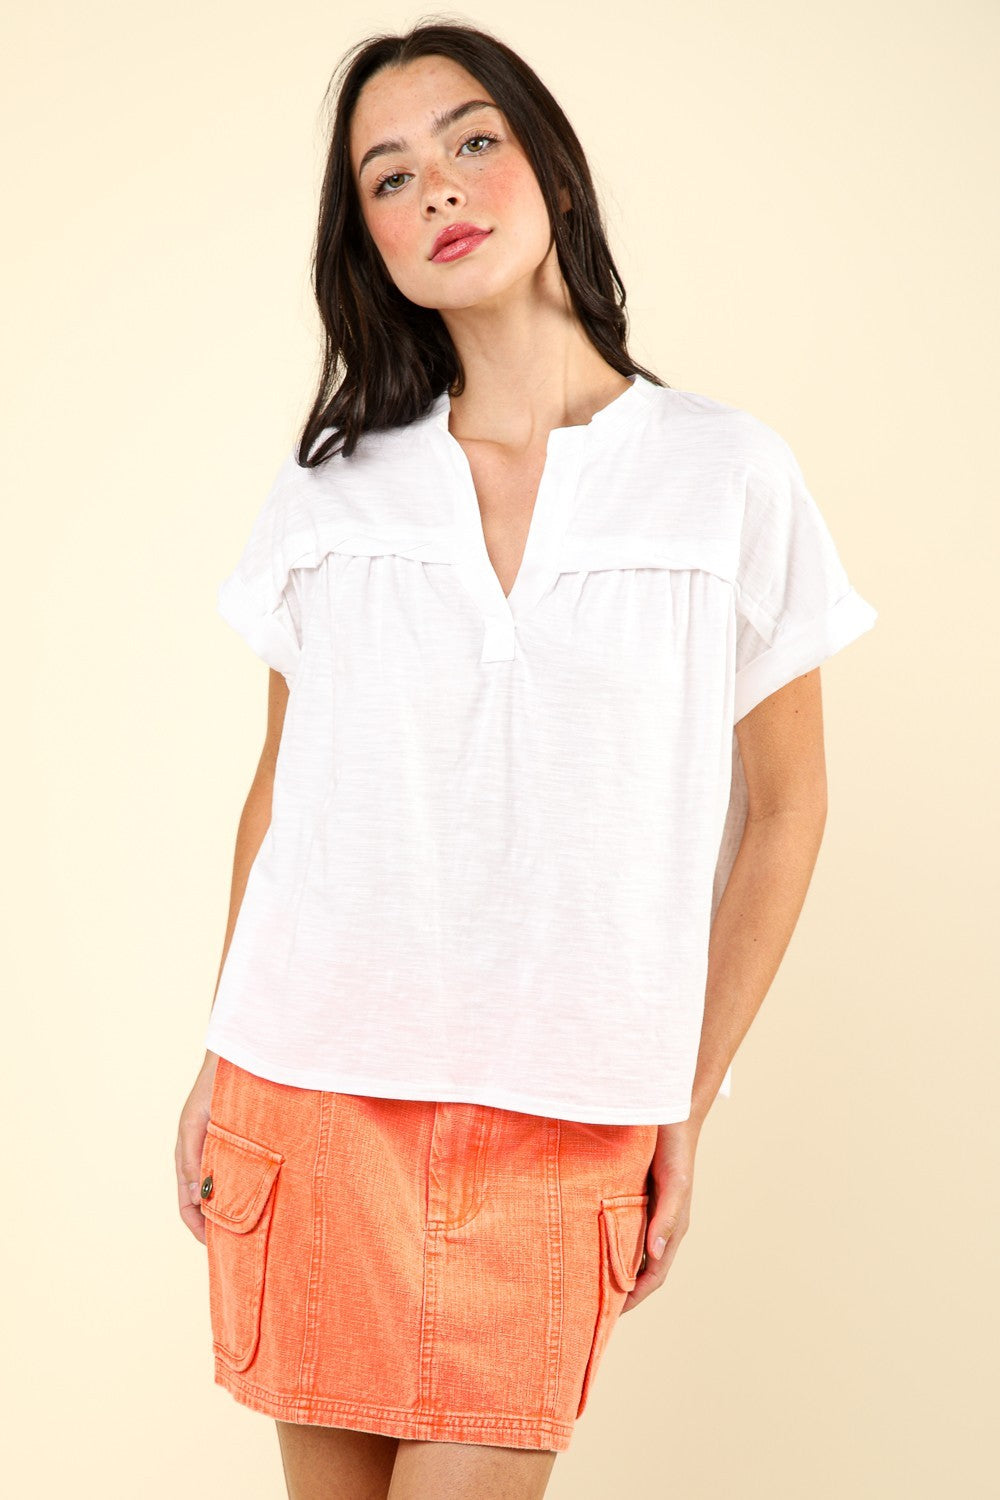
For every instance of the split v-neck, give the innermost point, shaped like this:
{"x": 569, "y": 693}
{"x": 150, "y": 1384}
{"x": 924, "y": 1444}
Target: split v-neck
{"x": 566, "y": 452}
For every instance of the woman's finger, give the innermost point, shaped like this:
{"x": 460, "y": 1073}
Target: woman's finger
{"x": 188, "y": 1153}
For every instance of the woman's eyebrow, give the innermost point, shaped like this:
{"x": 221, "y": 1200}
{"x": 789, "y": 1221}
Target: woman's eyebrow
{"x": 439, "y": 124}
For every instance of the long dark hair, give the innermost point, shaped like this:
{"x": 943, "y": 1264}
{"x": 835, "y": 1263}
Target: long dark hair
{"x": 385, "y": 358}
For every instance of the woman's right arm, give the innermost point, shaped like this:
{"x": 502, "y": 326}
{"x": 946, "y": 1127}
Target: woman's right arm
{"x": 253, "y": 825}
{"x": 256, "y": 816}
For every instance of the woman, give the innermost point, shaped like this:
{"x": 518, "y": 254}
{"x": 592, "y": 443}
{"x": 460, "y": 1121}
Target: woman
{"x": 541, "y": 793}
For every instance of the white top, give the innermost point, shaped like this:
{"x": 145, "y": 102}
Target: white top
{"x": 501, "y": 826}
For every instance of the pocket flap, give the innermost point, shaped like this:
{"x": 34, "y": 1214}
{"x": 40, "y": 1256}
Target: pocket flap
{"x": 625, "y": 1221}
{"x": 238, "y": 1175}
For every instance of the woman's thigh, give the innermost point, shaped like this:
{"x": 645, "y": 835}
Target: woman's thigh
{"x": 469, "y": 1471}
{"x": 321, "y": 1462}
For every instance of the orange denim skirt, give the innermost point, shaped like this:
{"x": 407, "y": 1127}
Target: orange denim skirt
{"x": 426, "y": 1270}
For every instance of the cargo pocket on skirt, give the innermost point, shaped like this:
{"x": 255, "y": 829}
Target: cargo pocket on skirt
{"x": 622, "y": 1233}
{"x": 237, "y": 1200}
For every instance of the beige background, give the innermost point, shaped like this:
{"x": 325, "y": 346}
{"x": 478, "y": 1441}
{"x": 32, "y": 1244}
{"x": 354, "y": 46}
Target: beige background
{"x": 802, "y": 202}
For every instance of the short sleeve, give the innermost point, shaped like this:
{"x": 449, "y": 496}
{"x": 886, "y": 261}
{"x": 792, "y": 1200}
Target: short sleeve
{"x": 260, "y": 598}
{"x": 794, "y": 602}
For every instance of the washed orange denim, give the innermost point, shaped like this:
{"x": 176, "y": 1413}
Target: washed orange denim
{"x": 428, "y": 1270}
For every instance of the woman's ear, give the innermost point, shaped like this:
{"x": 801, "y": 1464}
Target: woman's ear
{"x": 564, "y": 200}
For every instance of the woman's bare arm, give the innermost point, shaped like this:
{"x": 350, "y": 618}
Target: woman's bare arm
{"x": 254, "y": 823}
{"x": 256, "y": 816}
{"x": 781, "y": 746}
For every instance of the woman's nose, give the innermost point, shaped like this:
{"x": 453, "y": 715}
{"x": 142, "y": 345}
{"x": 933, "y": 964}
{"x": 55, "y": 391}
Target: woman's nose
{"x": 439, "y": 192}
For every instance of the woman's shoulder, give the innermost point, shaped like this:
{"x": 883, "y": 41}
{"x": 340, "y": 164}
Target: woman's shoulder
{"x": 708, "y": 424}
{"x": 387, "y": 495}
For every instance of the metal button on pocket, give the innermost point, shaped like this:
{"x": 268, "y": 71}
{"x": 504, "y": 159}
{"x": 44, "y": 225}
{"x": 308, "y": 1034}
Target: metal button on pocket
{"x": 206, "y": 1187}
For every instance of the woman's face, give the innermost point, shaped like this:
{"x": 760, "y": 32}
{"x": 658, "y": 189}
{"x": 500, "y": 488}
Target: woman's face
{"x": 431, "y": 172}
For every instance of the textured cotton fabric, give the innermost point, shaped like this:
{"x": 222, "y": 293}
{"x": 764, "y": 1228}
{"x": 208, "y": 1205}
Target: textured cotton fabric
{"x": 501, "y": 826}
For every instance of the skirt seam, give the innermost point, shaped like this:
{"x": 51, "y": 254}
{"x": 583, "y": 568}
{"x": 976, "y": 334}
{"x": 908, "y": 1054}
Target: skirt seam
{"x": 308, "y": 1359}
{"x": 431, "y": 1422}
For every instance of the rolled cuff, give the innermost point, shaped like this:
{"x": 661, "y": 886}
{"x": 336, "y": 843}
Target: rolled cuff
{"x": 260, "y": 628}
{"x": 801, "y": 650}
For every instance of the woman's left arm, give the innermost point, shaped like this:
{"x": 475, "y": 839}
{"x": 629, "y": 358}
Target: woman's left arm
{"x": 781, "y": 747}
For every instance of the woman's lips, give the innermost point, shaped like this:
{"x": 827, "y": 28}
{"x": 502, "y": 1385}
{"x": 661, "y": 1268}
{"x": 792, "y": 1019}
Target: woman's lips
{"x": 455, "y": 248}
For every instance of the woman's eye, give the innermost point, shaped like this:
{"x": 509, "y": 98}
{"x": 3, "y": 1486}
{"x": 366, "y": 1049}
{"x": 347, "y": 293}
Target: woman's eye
{"x": 380, "y": 185}
{"x": 383, "y": 185}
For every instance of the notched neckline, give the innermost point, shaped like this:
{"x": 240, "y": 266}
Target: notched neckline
{"x": 566, "y": 453}
{"x": 619, "y": 408}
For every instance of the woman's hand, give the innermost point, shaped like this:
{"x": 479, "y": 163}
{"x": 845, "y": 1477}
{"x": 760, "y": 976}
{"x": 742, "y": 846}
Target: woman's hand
{"x": 671, "y": 1179}
{"x": 190, "y": 1143}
